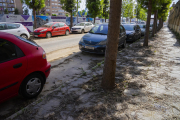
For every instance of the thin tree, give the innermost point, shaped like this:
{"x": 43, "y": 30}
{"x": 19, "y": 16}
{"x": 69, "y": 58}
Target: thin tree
{"x": 94, "y": 8}
{"x": 106, "y": 9}
{"x": 35, "y": 5}
{"x": 16, "y": 12}
{"x": 108, "y": 81}
{"x": 69, "y": 6}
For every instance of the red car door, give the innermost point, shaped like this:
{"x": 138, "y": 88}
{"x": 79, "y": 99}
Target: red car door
{"x": 56, "y": 30}
{"x": 62, "y": 28}
{"x": 13, "y": 65}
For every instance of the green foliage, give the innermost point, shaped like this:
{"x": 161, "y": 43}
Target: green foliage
{"x": 94, "y": 7}
{"x": 69, "y": 6}
{"x": 67, "y": 15}
{"x": 54, "y": 15}
{"x": 106, "y": 6}
{"x": 34, "y": 4}
{"x": 26, "y": 11}
{"x": 6, "y": 11}
{"x": 128, "y": 9}
{"x": 47, "y": 14}
{"x": 81, "y": 12}
{"x": 140, "y": 13}
{"x": 16, "y": 12}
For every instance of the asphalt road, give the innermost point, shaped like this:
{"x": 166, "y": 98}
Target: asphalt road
{"x": 56, "y": 47}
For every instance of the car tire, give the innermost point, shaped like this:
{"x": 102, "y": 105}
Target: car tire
{"x": 28, "y": 89}
{"x": 24, "y": 36}
{"x": 48, "y": 35}
{"x": 67, "y": 32}
{"x": 82, "y": 31}
{"x": 124, "y": 44}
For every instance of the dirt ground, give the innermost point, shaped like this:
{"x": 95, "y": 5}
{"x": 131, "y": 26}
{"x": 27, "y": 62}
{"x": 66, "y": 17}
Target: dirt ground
{"x": 147, "y": 87}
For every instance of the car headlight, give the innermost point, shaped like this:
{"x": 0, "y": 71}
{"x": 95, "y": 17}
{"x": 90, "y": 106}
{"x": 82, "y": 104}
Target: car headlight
{"x": 43, "y": 30}
{"x": 103, "y": 42}
{"x": 81, "y": 40}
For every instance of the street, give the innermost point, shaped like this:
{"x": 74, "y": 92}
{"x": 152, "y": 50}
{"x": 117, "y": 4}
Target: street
{"x": 59, "y": 46}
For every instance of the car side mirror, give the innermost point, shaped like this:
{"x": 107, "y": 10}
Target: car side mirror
{"x": 54, "y": 27}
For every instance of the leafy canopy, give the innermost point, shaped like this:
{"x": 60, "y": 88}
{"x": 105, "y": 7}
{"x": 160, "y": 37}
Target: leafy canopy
{"x": 34, "y": 4}
{"x": 94, "y": 7}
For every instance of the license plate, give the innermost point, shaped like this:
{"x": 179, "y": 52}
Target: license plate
{"x": 91, "y": 48}
{"x": 35, "y": 35}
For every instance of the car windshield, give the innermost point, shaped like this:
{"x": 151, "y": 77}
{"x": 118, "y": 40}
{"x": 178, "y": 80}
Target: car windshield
{"x": 129, "y": 27}
{"x": 47, "y": 25}
{"x": 151, "y": 25}
{"x": 99, "y": 29}
{"x": 80, "y": 24}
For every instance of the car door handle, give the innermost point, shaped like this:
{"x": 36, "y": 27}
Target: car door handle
{"x": 17, "y": 65}
{"x": 18, "y": 31}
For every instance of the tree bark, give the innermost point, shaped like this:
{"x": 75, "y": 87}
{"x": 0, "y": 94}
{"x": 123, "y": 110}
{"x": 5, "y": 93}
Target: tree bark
{"x": 94, "y": 19}
{"x": 108, "y": 81}
{"x": 154, "y": 24}
{"x": 148, "y": 23}
{"x": 71, "y": 24}
{"x": 34, "y": 14}
{"x": 105, "y": 19}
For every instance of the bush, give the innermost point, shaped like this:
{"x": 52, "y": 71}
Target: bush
{"x": 54, "y": 15}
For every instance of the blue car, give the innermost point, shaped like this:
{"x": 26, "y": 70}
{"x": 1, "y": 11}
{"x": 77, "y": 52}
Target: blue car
{"x": 95, "y": 40}
{"x": 133, "y": 32}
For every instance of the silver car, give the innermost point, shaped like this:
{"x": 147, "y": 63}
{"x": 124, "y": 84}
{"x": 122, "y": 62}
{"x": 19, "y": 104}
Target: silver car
{"x": 15, "y": 29}
{"x": 82, "y": 27}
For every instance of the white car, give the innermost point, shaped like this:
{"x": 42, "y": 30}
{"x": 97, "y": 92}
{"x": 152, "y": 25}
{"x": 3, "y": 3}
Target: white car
{"x": 82, "y": 27}
{"x": 15, "y": 29}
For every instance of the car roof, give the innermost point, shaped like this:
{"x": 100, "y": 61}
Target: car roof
{"x": 130, "y": 24}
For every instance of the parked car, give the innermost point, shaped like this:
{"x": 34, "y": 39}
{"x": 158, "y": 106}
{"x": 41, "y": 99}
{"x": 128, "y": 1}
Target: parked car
{"x": 143, "y": 29}
{"x": 82, "y": 27}
{"x": 132, "y": 23}
{"x": 142, "y": 22}
{"x": 133, "y": 32}
{"x": 123, "y": 22}
{"x": 151, "y": 27}
{"x": 95, "y": 40}
{"x": 23, "y": 67}
{"x": 15, "y": 29}
{"x": 52, "y": 29}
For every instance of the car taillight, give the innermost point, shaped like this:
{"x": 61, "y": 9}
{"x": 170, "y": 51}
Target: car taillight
{"x": 25, "y": 27}
{"x": 44, "y": 55}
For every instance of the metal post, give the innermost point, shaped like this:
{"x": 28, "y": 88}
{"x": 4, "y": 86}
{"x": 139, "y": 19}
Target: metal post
{"x": 77, "y": 11}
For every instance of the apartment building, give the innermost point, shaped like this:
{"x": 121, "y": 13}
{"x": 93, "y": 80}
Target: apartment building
{"x": 10, "y": 5}
{"x": 54, "y": 7}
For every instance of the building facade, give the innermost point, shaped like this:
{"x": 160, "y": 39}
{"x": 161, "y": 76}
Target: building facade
{"x": 10, "y": 5}
{"x": 54, "y": 7}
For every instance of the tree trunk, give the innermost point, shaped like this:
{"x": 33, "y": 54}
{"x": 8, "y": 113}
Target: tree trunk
{"x": 148, "y": 23}
{"x": 130, "y": 20}
{"x": 154, "y": 24}
{"x": 108, "y": 81}
{"x": 94, "y": 19}
{"x": 34, "y": 14}
{"x": 105, "y": 19}
{"x": 71, "y": 24}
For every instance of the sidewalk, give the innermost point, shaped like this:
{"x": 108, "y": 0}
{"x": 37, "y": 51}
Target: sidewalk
{"x": 147, "y": 81}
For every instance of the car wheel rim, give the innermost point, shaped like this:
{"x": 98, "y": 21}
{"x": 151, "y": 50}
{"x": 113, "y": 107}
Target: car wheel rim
{"x": 24, "y": 36}
{"x": 67, "y": 32}
{"x": 48, "y": 35}
{"x": 33, "y": 86}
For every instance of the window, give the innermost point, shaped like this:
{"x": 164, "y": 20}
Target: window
{"x": 7, "y": 51}
{"x": 122, "y": 29}
{"x": 12, "y": 26}
{"x": 2, "y": 26}
{"x": 52, "y": 0}
{"x": 52, "y": 3}
{"x": 61, "y": 10}
{"x": 0, "y": 4}
{"x": 56, "y": 25}
{"x": 55, "y": 3}
{"x": 55, "y": 0}
{"x": 61, "y": 24}
{"x": 12, "y": 9}
{"x": 47, "y": 10}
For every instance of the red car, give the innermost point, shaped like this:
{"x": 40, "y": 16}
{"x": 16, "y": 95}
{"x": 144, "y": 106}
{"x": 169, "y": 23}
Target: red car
{"x": 52, "y": 29}
{"x": 23, "y": 67}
